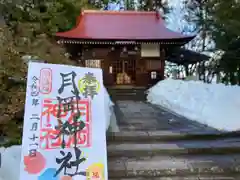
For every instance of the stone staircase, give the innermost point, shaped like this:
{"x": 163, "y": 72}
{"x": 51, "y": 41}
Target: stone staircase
{"x": 165, "y": 155}
{"x": 127, "y": 93}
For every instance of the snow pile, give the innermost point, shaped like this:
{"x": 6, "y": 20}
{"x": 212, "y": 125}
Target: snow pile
{"x": 216, "y": 105}
{"x": 111, "y": 122}
{"x": 10, "y": 166}
{"x": 107, "y": 106}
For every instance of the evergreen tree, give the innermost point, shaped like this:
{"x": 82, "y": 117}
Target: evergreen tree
{"x": 150, "y": 5}
{"x": 197, "y": 15}
{"x": 52, "y": 15}
{"x": 16, "y": 49}
{"x": 28, "y": 31}
{"x": 219, "y": 20}
{"x": 225, "y": 31}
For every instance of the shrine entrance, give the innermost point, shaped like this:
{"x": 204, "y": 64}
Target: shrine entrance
{"x": 124, "y": 71}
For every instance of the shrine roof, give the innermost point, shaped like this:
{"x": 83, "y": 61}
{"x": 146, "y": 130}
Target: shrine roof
{"x": 122, "y": 26}
{"x": 182, "y": 56}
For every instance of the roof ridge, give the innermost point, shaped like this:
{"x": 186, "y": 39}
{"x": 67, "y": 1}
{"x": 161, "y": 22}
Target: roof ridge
{"x": 119, "y": 12}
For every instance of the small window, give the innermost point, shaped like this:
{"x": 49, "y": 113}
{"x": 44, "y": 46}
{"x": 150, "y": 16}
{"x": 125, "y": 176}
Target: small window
{"x": 93, "y": 63}
{"x": 153, "y": 75}
{"x": 110, "y": 69}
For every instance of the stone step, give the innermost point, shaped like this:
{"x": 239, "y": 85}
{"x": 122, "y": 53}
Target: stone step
{"x": 127, "y": 97}
{"x": 153, "y": 136}
{"x": 129, "y": 91}
{"x": 198, "y": 177}
{"x": 172, "y": 148}
{"x": 174, "y": 166}
{"x": 127, "y": 94}
{"x": 123, "y": 98}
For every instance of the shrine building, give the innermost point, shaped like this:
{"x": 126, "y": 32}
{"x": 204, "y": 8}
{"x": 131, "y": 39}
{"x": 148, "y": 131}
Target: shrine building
{"x": 130, "y": 46}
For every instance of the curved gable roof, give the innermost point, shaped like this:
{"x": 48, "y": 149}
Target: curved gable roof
{"x": 121, "y": 25}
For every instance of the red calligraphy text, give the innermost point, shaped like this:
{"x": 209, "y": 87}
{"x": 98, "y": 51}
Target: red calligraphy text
{"x": 49, "y": 120}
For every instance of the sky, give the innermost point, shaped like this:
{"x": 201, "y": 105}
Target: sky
{"x": 174, "y": 21}
{"x": 175, "y": 18}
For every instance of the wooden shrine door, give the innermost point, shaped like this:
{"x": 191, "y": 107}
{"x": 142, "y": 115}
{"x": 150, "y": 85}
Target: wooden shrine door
{"x": 124, "y": 71}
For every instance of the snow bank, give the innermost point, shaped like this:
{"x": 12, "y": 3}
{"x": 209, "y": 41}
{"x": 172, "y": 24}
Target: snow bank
{"x": 216, "y": 105}
{"x": 108, "y": 104}
{"x": 111, "y": 122}
{"x": 11, "y": 158}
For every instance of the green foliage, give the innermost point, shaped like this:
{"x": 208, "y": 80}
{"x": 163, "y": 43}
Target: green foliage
{"x": 198, "y": 15}
{"x": 152, "y": 4}
{"x": 219, "y": 19}
{"x": 24, "y": 40}
{"x": 225, "y": 22}
{"x": 52, "y": 15}
{"x": 28, "y": 32}
{"x": 225, "y": 32}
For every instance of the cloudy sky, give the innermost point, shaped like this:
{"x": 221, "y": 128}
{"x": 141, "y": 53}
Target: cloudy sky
{"x": 175, "y": 18}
